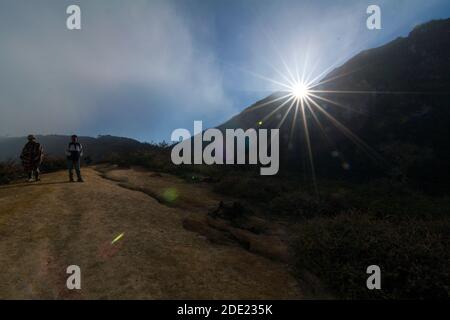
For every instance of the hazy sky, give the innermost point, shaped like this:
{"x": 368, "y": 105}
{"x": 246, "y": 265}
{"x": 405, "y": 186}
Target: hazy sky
{"x": 144, "y": 68}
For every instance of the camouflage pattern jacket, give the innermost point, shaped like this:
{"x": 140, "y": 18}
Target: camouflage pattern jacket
{"x": 32, "y": 155}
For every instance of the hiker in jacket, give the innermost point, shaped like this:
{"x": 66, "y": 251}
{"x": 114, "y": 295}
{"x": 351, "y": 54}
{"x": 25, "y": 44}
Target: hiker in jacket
{"x": 74, "y": 152}
{"x": 32, "y": 156}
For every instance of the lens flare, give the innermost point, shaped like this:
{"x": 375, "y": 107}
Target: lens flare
{"x": 117, "y": 238}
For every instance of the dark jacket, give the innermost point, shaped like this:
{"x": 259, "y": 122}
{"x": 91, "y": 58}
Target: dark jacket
{"x": 74, "y": 151}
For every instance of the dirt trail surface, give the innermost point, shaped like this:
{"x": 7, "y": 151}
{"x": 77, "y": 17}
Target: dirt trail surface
{"x": 47, "y": 226}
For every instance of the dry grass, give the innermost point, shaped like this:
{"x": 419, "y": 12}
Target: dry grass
{"x": 49, "y": 226}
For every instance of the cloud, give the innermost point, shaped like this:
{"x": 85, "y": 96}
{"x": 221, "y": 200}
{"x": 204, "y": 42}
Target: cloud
{"x": 144, "y": 68}
{"x": 131, "y": 70}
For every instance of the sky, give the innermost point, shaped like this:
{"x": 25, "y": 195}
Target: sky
{"x": 142, "y": 69}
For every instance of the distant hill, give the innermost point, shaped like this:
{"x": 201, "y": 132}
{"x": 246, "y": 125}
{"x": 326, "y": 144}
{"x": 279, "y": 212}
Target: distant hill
{"x": 402, "y": 111}
{"x": 54, "y": 145}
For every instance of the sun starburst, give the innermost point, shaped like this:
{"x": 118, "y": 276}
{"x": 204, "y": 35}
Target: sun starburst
{"x": 301, "y": 95}
{"x": 299, "y": 90}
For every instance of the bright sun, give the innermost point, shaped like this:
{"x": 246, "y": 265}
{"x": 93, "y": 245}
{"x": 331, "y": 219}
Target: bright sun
{"x": 299, "y": 90}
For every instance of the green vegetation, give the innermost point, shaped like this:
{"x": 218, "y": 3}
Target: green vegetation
{"x": 351, "y": 225}
{"x": 413, "y": 255}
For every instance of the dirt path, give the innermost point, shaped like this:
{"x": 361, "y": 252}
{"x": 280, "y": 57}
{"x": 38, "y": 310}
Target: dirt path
{"x": 47, "y": 226}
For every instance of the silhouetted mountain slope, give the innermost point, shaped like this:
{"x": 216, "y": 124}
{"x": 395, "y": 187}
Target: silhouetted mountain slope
{"x": 400, "y": 106}
{"x": 54, "y": 145}
{"x": 419, "y": 62}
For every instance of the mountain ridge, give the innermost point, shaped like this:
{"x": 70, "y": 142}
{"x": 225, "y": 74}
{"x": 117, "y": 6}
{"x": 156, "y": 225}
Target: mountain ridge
{"x": 398, "y": 107}
{"x": 96, "y": 149}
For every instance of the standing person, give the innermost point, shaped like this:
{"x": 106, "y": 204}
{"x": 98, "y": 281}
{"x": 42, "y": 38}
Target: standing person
{"x": 74, "y": 152}
{"x": 32, "y": 156}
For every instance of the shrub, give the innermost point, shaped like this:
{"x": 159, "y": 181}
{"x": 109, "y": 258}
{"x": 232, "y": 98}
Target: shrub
{"x": 248, "y": 187}
{"x": 413, "y": 255}
{"x": 386, "y": 200}
{"x": 301, "y": 205}
{"x": 51, "y": 164}
{"x": 10, "y": 171}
